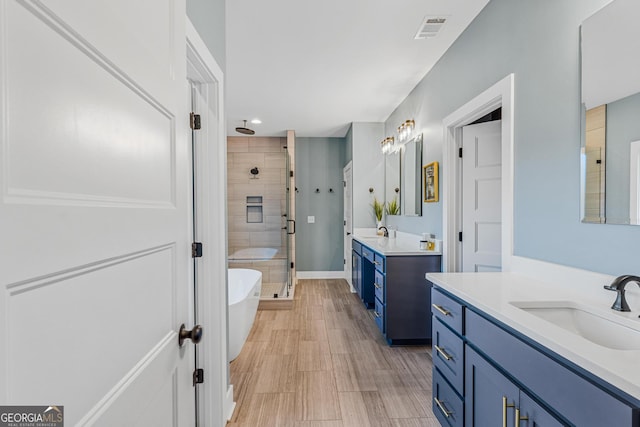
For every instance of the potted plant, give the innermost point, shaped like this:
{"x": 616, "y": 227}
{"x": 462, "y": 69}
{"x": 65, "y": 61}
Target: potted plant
{"x": 378, "y": 210}
{"x": 392, "y": 207}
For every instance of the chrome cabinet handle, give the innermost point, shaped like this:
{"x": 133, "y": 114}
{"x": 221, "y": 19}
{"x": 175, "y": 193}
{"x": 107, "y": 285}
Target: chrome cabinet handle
{"x": 376, "y": 314}
{"x": 375, "y": 285}
{"x": 441, "y": 309}
{"x": 443, "y": 353}
{"x": 444, "y": 410}
{"x": 377, "y": 263}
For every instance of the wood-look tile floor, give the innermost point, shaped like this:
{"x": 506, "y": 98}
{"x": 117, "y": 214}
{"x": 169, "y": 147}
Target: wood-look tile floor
{"x": 325, "y": 364}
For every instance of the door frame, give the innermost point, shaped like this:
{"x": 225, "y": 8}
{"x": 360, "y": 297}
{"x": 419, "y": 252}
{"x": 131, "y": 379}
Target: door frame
{"x": 216, "y": 390}
{"x": 348, "y": 169}
{"x": 501, "y": 94}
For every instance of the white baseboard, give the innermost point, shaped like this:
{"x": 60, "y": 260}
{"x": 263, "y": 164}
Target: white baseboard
{"x": 320, "y": 274}
{"x": 229, "y": 404}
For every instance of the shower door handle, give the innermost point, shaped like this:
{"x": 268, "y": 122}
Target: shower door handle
{"x": 294, "y": 227}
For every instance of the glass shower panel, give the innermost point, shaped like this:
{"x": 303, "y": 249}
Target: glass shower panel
{"x": 260, "y": 232}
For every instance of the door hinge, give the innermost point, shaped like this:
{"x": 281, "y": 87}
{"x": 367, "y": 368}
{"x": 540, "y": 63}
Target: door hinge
{"x": 460, "y": 236}
{"x": 344, "y": 184}
{"x": 194, "y": 121}
{"x": 344, "y": 261}
{"x": 198, "y": 376}
{"x": 460, "y": 152}
{"x": 291, "y": 265}
{"x": 290, "y": 174}
{"x": 196, "y": 250}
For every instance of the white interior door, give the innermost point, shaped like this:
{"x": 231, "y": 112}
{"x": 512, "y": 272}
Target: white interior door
{"x": 481, "y": 197}
{"x": 348, "y": 220}
{"x": 94, "y": 213}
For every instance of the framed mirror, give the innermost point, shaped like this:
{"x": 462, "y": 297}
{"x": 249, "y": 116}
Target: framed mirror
{"x": 411, "y": 177}
{"x": 392, "y": 195}
{"x": 610, "y": 149}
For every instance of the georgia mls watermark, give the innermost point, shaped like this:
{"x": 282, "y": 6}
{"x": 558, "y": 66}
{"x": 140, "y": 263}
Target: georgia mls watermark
{"x": 31, "y": 416}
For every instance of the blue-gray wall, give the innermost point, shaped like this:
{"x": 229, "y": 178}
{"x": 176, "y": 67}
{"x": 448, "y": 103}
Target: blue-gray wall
{"x": 538, "y": 41}
{"x": 623, "y": 127}
{"x": 208, "y": 17}
{"x": 319, "y": 163}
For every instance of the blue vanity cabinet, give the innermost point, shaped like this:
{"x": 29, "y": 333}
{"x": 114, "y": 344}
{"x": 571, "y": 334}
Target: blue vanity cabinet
{"x": 511, "y": 380}
{"x": 490, "y": 397}
{"x": 448, "y": 406}
{"x": 567, "y": 390}
{"x": 448, "y": 359}
{"x": 393, "y": 286}
{"x": 356, "y": 266}
{"x": 379, "y": 293}
{"x": 367, "y": 294}
{"x": 407, "y": 300}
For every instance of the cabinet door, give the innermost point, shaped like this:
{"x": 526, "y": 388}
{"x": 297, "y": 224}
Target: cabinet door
{"x": 490, "y": 397}
{"x": 533, "y": 415}
{"x": 356, "y": 271}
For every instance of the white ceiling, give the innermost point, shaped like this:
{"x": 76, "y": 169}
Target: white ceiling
{"x": 316, "y": 66}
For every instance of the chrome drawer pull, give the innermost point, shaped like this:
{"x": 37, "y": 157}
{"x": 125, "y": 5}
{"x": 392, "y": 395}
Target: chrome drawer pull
{"x": 444, "y": 410}
{"x": 375, "y": 285}
{"x": 377, "y": 263}
{"x": 441, "y": 310}
{"x": 443, "y": 353}
{"x": 376, "y": 314}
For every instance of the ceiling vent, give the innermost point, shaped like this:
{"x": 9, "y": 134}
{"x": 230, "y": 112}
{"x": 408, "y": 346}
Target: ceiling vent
{"x": 431, "y": 26}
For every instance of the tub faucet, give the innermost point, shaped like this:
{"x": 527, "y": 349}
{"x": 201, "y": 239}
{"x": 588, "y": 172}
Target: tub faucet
{"x": 618, "y": 285}
{"x": 386, "y": 232}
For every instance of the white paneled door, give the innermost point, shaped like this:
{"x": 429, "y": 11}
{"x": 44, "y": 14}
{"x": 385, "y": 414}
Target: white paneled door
{"x": 94, "y": 210}
{"x": 481, "y": 197}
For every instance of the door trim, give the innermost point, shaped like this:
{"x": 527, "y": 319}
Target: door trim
{"x": 216, "y": 390}
{"x": 348, "y": 169}
{"x": 500, "y": 94}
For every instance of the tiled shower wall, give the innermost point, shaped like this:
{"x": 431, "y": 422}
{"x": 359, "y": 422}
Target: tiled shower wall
{"x": 268, "y": 155}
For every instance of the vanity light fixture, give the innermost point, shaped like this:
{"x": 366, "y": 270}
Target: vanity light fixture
{"x": 405, "y": 131}
{"x": 388, "y": 145}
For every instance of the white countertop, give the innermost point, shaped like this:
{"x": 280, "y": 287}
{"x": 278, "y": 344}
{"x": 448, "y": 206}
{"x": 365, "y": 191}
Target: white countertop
{"x": 494, "y": 292}
{"x": 400, "y": 246}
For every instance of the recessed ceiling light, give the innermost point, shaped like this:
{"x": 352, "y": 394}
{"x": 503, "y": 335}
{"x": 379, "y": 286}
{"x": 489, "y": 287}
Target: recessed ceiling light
{"x": 256, "y": 121}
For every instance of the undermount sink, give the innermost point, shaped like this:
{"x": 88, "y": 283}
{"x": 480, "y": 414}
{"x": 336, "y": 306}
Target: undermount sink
{"x": 579, "y": 320}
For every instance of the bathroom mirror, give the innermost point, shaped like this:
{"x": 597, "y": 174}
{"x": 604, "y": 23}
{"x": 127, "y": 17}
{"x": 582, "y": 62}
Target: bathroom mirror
{"x": 610, "y": 149}
{"x": 411, "y": 177}
{"x": 392, "y": 180}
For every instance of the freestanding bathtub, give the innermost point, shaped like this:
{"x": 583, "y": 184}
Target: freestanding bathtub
{"x": 243, "y": 299}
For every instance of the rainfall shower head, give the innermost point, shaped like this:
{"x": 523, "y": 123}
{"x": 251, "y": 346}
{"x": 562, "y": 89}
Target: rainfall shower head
{"x": 245, "y": 130}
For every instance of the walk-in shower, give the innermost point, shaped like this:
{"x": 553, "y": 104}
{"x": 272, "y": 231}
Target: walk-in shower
{"x": 259, "y": 222}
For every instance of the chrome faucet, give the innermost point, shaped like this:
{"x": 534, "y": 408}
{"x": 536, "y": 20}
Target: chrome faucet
{"x": 386, "y": 232}
{"x": 618, "y": 285}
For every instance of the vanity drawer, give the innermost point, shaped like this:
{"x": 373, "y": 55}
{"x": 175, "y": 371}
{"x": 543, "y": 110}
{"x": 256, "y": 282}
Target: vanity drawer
{"x": 378, "y": 284}
{"x": 579, "y": 400}
{"x": 447, "y": 405}
{"x": 356, "y": 246}
{"x": 448, "y": 355}
{"x": 379, "y": 261}
{"x": 367, "y": 253}
{"x": 449, "y": 311}
{"x": 378, "y": 315}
